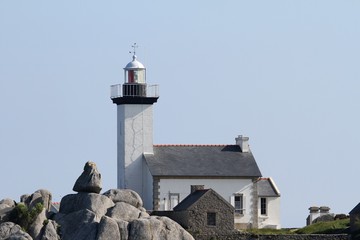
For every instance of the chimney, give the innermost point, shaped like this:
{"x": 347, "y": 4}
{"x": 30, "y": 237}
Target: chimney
{"x": 324, "y": 210}
{"x": 314, "y": 209}
{"x": 243, "y": 142}
{"x": 314, "y": 213}
{"x": 194, "y": 188}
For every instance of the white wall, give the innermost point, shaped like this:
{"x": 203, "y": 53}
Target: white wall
{"x": 147, "y": 193}
{"x": 272, "y": 218}
{"x": 135, "y": 129}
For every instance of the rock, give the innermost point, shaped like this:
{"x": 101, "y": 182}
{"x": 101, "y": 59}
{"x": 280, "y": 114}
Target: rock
{"x": 41, "y": 196}
{"x": 89, "y": 180}
{"x": 20, "y": 236}
{"x": 340, "y": 216}
{"x": 9, "y": 230}
{"x": 173, "y": 230}
{"x": 108, "y": 229}
{"x": 87, "y": 215}
{"x": 49, "y": 231}
{"x": 125, "y": 195}
{"x": 144, "y": 215}
{"x": 324, "y": 218}
{"x": 80, "y": 225}
{"x": 6, "y": 203}
{"x": 142, "y": 209}
{"x": 96, "y": 203}
{"x": 123, "y": 228}
{"x": 124, "y": 211}
{"x": 5, "y": 214}
{"x": 25, "y": 198}
{"x": 144, "y": 229}
{"x": 37, "y": 225}
{"x": 157, "y": 228}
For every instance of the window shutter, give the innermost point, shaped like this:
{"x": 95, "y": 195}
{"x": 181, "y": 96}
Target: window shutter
{"x": 244, "y": 203}
{"x": 232, "y": 200}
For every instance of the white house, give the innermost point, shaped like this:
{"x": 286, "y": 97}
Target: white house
{"x": 162, "y": 174}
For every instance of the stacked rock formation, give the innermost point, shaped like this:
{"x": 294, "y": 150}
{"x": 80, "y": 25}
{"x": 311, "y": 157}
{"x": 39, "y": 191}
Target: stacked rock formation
{"x": 115, "y": 214}
{"x": 41, "y": 228}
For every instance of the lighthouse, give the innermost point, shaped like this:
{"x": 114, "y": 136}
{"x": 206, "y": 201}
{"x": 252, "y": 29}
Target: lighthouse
{"x": 134, "y": 99}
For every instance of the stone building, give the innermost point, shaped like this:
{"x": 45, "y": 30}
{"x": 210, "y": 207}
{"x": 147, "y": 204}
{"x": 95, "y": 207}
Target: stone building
{"x": 355, "y": 222}
{"x": 205, "y": 211}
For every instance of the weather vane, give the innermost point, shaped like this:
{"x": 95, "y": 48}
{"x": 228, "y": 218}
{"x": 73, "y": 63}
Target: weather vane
{"x": 134, "y": 46}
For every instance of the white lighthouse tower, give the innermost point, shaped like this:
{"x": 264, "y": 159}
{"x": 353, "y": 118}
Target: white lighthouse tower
{"x": 134, "y": 100}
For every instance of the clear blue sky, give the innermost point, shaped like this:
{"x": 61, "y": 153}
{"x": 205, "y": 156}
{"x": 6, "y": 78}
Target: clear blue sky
{"x": 284, "y": 73}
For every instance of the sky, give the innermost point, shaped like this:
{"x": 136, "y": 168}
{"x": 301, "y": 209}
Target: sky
{"x": 284, "y": 73}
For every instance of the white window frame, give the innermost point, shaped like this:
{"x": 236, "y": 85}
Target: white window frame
{"x": 241, "y": 209}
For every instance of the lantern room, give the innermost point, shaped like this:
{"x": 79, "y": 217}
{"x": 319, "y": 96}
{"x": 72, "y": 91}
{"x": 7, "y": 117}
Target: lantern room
{"x": 135, "y": 72}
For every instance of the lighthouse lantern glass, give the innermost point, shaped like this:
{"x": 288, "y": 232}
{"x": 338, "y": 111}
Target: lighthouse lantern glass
{"x": 135, "y": 76}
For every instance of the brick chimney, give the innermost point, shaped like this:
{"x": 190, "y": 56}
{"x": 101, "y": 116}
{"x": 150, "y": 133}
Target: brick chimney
{"x": 194, "y": 188}
{"x": 243, "y": 142}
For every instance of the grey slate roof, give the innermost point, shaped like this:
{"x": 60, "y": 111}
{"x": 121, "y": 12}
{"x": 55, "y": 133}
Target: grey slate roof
{"x": 201, "y": 161}
{"x": 355, "y": 210}
{"x": 266, "y": 189}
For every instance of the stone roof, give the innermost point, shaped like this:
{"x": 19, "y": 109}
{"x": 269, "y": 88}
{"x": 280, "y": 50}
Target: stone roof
{"x": 201, "y": 161}
{"x": 192, "y": 198}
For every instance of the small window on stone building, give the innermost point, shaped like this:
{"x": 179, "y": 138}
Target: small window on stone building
{"x": 211, "y": 219}
{"x": 263, "y": 206}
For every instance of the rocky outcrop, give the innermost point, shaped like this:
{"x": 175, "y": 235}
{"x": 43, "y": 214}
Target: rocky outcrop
{"x": 89, "y": 180}
{"x": 40, "y": 196}
{"x": 36, "y": 227}
{"x": 96, "y": 203}
{"x": 118, "y": 214}
{"x": 7, "y": 203}
{"x": 49, "y": 231}
{"x": 9, "y": 230}
{"x": 157, "y": 228}
{"x": 108, "y": 229}
{"x": 125, "y": 195}
{"x": 124, "y": 211}
{"x": 5, "y": 214}
{"x": 6, "y": 207}
{"x": 324, "y": 218}
{"x": 79, "y": 225}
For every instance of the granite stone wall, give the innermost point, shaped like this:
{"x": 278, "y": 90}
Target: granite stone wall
{"x": 211, "y": 203}
{"x": 195, "y": 219}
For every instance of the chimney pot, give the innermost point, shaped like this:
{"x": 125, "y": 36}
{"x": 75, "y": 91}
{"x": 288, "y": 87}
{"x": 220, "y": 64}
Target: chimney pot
{"x": 314, "y": 209}
{"x": 324, "y": 209}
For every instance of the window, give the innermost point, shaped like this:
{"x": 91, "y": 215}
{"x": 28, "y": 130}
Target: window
{"x": 173, "y": 200}
{"x": 239, "y": 204}
{"x": 211, "y": 219}
{"x": 263, "y": 209}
